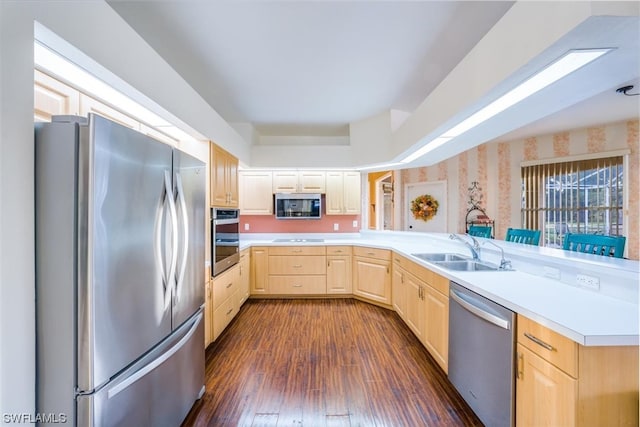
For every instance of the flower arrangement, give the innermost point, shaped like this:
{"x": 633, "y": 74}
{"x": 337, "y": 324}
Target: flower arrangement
{"x": 424, "y": 207}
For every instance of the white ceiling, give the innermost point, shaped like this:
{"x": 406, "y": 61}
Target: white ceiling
{"x": 312, "y": 67}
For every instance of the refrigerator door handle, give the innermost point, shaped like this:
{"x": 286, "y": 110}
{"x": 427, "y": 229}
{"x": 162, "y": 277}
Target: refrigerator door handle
{"x": 157, "y": 243}
{"x": 156, "y": 362}
{"x": 174, "y": 239}
{"x": 185, "y": 232}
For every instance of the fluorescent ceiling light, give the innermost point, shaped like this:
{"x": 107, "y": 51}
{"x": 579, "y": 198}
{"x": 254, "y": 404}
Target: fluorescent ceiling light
{"x": 435, "y": 143}
{"x": 564, "y": 66}
{"x": 380, "y": 166}
{"x": 60, "y": 66}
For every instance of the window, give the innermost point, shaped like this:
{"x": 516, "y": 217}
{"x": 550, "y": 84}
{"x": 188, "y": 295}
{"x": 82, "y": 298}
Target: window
{"x": 582, "y": 196}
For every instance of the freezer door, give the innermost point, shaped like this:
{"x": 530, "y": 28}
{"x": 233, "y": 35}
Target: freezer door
{"x": 127, "y": 225}
{"x": 189, "y": 190}
{"x": 159, "y": 390}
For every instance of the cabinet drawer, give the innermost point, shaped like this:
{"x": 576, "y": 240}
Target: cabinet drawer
{"x": 297, "y": 250}
{"x": 383, "y": 254}
{"x": 223, "y": 286}
{"x": 297, "y": 285}
{"x": 223, "y": 315}
{"x": 298, "y": 264}
{"x": 338, "y": 250}
{"x": 551, "y": 346}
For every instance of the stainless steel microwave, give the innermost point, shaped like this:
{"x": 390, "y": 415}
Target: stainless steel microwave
{"x": 298, "y": 206}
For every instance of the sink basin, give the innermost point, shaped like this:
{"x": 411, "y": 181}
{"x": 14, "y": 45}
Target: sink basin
{"x": 438, "y": 257}
{"x": 468, "y": 265}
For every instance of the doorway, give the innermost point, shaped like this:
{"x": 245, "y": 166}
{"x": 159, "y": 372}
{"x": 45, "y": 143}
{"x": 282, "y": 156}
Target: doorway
{"x": 384, "y": 202}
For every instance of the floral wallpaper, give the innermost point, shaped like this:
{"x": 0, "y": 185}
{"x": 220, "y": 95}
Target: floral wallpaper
{"x": 496, "y": 167}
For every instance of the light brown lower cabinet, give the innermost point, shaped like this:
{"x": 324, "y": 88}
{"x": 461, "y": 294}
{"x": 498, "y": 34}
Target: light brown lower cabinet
{"x": 208, "y": 309}
{"x": 398, "y": 289}
{"x": 225, "y": 299}
{"x": 339, "y": 270}
{"x": 415, "y": 315}
{"x": 259, "y": 270}
{"x": 562, "y": 383}
{"x": 436, "y": 329}
{"x": 372, "y": 274}
{"x": 244, "y": 276}
{"x": 297, "y": 270}
{"x": 421, "y": 298}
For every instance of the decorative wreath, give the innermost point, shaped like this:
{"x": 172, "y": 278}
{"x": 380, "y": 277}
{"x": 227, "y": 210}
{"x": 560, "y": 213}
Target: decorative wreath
{"x": 424, "y": 207}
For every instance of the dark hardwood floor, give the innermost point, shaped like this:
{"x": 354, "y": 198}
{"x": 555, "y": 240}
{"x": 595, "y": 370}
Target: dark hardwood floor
{"x": 333, "y": 362}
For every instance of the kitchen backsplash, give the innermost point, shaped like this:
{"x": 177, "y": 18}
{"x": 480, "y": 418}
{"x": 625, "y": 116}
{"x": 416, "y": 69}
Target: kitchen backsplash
{"x": 326, "y": 224}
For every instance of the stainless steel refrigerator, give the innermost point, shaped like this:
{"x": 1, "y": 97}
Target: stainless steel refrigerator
{"x": 120, "y": 261}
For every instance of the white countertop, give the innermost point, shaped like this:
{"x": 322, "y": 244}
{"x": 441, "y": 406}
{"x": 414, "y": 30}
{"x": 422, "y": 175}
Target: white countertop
{"x": 587, "y": 317}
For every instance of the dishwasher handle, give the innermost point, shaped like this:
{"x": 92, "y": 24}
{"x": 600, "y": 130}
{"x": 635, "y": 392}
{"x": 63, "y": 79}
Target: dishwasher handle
{"x": 489, "y": 317}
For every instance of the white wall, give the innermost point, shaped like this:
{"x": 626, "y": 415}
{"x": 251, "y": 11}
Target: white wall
{"x": 370, "y": 139}
{"x": 95, "y": 29}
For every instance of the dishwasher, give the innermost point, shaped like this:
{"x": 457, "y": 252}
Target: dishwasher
{"x": 481, "y": 355}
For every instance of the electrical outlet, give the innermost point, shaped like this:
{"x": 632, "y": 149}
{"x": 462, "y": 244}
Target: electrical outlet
{"x": 246, "y": 227}
{"x": 552, "y": 272}
{"x": 355, "y": 223}
{"x": 336, "y": 227}
{"x": 586, "y": 281}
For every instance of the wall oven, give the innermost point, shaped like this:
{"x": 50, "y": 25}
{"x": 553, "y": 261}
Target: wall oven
{"x": 225, "y": 239}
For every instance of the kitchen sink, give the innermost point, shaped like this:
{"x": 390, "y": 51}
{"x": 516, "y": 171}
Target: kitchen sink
{"x": 468, "y": 265}
{"x": 439, "y": 257}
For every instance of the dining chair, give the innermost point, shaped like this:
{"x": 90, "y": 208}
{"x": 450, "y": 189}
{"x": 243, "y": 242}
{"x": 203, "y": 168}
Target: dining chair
{"x": 522, "y": 235}
{"x": 479, "y": 231}
{"x": 595, "y": 244}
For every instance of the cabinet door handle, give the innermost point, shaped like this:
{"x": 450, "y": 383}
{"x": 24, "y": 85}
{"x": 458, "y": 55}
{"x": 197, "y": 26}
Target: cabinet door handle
{"x": 229, "y": 285}
{"x": 296, "y": 250}
{"x": 520, "y": 368}
{"x": 371, "y": 253}
{"x": 230, "y": 311}
{"x": 297, "y": 286}
{"x": 539, "y": 342}
{"x": 297, "y": 266}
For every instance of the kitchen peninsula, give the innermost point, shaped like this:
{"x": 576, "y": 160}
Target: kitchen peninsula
{"x": 577, "y": 344}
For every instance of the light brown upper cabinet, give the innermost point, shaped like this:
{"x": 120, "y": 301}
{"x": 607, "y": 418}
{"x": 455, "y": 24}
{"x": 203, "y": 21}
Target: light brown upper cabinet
{"x": 299, "y": 181}
{"x": 224, "y": 178}
{"x": 343, "y": 193}
{"x": 52, "y": 97}
{"x": 256, "y": 197}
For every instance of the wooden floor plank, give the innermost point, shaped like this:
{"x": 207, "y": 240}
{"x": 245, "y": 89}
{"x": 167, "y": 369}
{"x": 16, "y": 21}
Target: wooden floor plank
{"x": 333, "y": 362}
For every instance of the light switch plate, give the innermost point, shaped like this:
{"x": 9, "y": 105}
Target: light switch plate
{"x": 246, "y": 227}
{"x": 336, "y": 227}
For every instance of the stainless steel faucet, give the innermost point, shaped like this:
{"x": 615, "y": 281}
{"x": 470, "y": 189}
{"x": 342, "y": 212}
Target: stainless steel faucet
{"x": 505, "y": 264}
{"x": 475, "y": 248}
